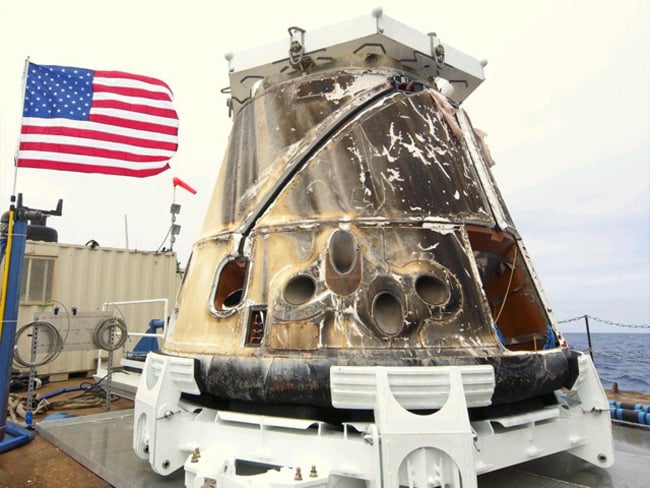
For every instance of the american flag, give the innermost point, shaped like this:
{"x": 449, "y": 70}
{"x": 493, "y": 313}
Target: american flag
{"x": 109, "y": 122}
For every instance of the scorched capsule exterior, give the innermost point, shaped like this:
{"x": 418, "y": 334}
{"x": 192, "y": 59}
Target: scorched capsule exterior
{"x": 355, "y": 221}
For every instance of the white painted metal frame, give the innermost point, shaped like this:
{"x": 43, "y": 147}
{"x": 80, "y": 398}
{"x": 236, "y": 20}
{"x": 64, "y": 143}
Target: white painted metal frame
{"x": 400, "y": 448}
{"x": 101, "y": 372}
{"x": 371, "y": 34}
{"x": 125, "y": 383}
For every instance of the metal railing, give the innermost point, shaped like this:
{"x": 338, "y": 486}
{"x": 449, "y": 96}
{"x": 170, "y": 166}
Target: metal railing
{"x": 109, "y": 365}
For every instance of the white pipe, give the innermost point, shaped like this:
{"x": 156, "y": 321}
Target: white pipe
{"x": 144, "y": 334}
{"x": 165, "y": 301}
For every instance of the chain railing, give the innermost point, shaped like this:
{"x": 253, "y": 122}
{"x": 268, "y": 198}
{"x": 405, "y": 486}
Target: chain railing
{"x": 608, "y": 322}
{"x": 600, "y": 352}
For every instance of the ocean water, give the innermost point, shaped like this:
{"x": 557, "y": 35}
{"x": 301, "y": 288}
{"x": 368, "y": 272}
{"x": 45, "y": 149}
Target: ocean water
{"x": 624, "y": 358}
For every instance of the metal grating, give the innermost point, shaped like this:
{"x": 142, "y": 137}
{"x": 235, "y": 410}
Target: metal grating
{"x": 415, "y": 388}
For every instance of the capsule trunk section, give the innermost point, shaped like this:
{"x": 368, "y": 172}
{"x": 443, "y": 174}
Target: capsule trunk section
{"x": 355, "y": 221}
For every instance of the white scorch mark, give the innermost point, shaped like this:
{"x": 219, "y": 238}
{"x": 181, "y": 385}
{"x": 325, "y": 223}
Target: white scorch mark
{"x": 393, "y": 175}
{"x": 355, "y": 151}
{"x": 389, "y": 181}
{"x": 386, "y": 152}
{"x": 362, "y": 179}
{"x": 432, "y": 150}
{"x": 336, "y": 94}
{"x": 430, "y": 248}
{"x": 433, "y": 154}
{"x": 365, "y": 82}
{"x": 442, "y": 227}
{"x": 415, "y": 151}
{"x": 426, "y": 117}
{"x": 394, "y": 137}
{"x": 362, "y": 170}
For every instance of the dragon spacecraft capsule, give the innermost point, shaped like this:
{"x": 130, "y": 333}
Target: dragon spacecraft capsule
{"x": 355, "y": 221}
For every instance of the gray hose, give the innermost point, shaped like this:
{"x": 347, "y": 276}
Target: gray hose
{"x": 56, "y": 343}
{"x": 109, "y": 326}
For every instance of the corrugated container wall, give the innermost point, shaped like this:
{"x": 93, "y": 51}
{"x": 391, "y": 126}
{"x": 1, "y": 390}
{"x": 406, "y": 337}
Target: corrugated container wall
{"x": 86, "y": 278}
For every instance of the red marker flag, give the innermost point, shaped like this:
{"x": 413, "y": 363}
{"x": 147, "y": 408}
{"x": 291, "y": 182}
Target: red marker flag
{"x": 109, "y": 122}
{"x": 182, "y": 184}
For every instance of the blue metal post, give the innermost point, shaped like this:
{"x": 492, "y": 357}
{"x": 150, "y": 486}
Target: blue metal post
{"x": 10, "y": 318}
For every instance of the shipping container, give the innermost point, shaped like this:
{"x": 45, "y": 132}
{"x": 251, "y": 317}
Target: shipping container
{"x": 84, "y": 278}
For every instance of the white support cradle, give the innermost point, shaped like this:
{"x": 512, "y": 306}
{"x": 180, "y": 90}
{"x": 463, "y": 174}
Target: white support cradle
{"x": 444, "y": 448}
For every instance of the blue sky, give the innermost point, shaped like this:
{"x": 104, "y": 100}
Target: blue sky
{"x": 565, "y": 105}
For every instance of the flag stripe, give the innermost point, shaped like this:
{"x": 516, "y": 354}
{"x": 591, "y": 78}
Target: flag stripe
{"x": 90, "y": 151}
{"x": 134, "y": 116}
{"x": 97, "y": 137}
{"x": 132, "y": 124}
{"x": 143, "y": 109}
{"x": 132, "y": 92}
{"x": 130, "y": 83}
{"x": 132, "y": 76}
{"x": 84, "y": 159}
{"x": 74, "y": 126}
{"x": 96, "y": 143}
{"x": 166, "y": 104}
{"x": 92, "y": 168}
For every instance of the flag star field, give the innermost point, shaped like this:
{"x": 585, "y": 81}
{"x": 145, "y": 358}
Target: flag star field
{"x": 55, "y": 91}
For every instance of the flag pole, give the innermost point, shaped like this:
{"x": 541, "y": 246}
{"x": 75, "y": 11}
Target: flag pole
{"x": 13, "y": 189}
{"x": 22, "y": 110}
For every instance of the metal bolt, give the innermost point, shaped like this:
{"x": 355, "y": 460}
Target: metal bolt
{"x": 298, "y": 476}
{"x": 196, "y": 455}
{"x": 313, "y": 473}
